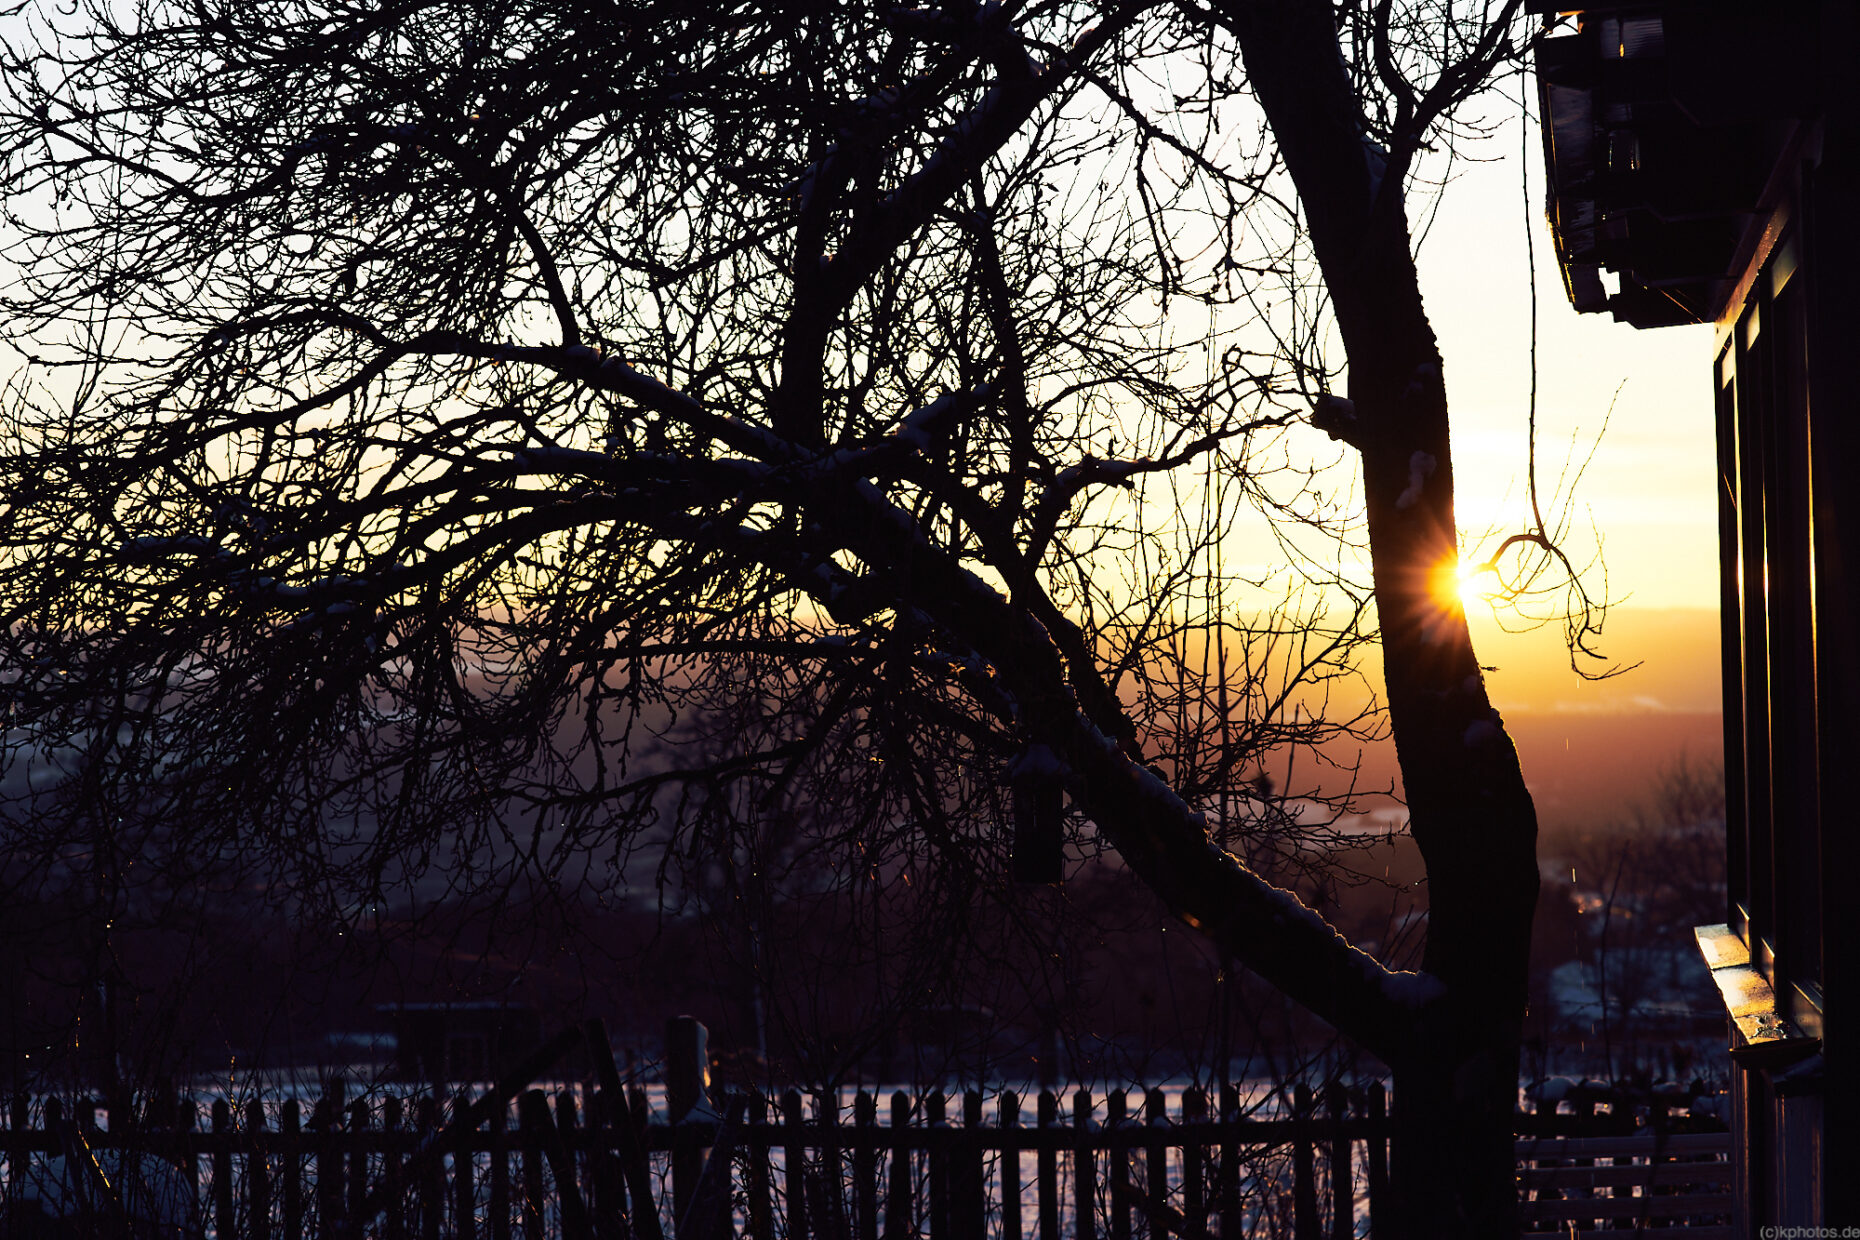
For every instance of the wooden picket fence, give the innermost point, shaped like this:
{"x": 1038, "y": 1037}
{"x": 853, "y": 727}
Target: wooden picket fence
{"x": 1643, "y": 1165}
{"x": 942, "y": 1167}
{"x": 516, "y": 1161}
{"x": 1676, "y": 1184}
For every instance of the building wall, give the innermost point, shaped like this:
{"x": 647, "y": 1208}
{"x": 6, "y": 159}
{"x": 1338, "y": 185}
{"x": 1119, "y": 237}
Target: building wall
{"x": 1789, "y": 472}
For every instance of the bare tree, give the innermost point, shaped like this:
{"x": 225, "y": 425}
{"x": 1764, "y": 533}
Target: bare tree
{"x": 434, "y": 407}
{"x": 1657, "y": 873}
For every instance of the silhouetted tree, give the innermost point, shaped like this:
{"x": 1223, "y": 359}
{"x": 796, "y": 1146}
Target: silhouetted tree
{"x": 1658, "y": 874}
{"x": 433, "y": 407}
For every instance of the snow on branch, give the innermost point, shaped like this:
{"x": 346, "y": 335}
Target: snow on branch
{"x": 153, "y": 549}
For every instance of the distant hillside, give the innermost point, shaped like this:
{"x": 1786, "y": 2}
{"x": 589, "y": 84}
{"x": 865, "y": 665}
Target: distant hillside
{"x": 1591, "y": 748}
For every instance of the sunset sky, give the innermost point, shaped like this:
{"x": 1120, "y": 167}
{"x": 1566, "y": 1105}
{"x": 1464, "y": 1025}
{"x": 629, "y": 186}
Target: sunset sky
{"x": 1590, "y": 749}
{"x": 1649, "y": 488}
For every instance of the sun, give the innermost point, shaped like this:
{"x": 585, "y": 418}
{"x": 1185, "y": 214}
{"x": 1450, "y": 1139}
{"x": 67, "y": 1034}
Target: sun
{"x": 1477, "y": 583}
{"x": 1462, "y": 585}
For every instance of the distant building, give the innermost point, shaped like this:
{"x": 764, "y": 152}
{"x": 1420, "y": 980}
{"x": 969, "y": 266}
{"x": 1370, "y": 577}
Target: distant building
{"x": 1704, "y": 165}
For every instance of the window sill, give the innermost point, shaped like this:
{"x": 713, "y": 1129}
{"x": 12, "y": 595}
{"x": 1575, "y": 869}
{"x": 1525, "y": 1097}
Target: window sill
{"x": 1761, "y": 1036}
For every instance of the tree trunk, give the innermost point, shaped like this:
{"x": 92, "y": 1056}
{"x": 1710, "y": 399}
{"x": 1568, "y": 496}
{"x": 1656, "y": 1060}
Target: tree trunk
{"x": 1452, "y": 1168}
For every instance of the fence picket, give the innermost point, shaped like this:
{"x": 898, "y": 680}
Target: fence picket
{"x": 292, "y": 1165}
{"x": 1048, "y": 1160}
{"x": 257, "y": 1173}
{"x": 761, "y": 1194}
{"x": 535, "y": 1205}
{"x": 1156, "y": 1161}
{"x": 1116, "y": 1119}
{"x": 222, "y": 1168}
{"x": 1227, "y": 1184}
{"x": 1342, "y": 1185}
{"x": 533, "y": 1112}
{"x": 1378, "y": 1151}
{"x": 430, "y": 1184}
{"x": 359, "y": 1122}
{"x": 828, "y": 1206}
{"x": 1304, "y": 1167}
{"x": 16, "y": 1148}
{"x": 969, "y": 1213}
{"x": 326, "y": 1119}
{"x": 1007, "y": 1111}
{"x": 621, "y": 1212}
{"x": 638, "y": 1169}
{"x": 464, "y": 1189}
{"x": 1084, "y": 1168}
{"x": 794, "y": 1166}
{"x": 865, "y": 1166}
{"x": 900, "y": 1209}
{"x": 567, "y": 1120}
{"x": 500, "y": 1174}
{"x": 185, "y": 1121}
{"x": 937, "y": 1119}
{"x": 629, "y": 1116}
{"x": 394, "y": 1224}
{"x": 1194, "y": 1167}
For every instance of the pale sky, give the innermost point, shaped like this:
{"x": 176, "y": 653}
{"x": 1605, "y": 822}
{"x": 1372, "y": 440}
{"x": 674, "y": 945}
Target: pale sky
{"x": 1649, "y": 489}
